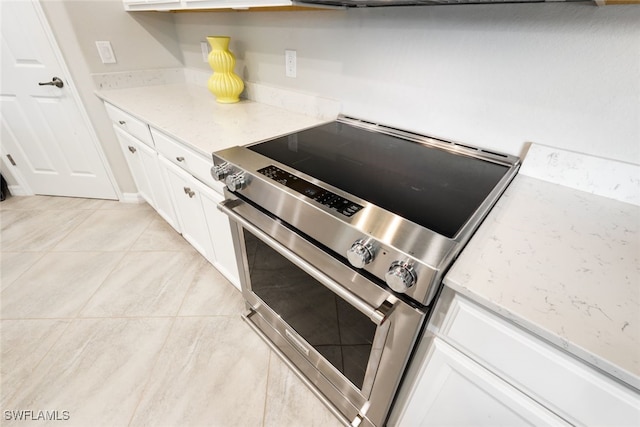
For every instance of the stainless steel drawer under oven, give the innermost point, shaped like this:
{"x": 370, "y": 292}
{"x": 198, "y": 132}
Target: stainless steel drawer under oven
{"x": 342, "y": 235}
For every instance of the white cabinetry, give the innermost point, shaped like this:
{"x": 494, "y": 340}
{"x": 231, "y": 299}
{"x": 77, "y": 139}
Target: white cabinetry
{"x": 143, "y": 164}
{"x": 186, "y": 193}
{"x": 140, "y": 5}
{"x": 454, "y": 390}
{"x": 468, "y": 352}
{"x": 177, "y": 182}
{"x": 131, "y": 148}
{"x": 220, "y": 228}
{"x": 195, "y": 195}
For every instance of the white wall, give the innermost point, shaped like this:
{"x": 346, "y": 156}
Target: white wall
{"x": 140, "y": 41}
{"x": 497, "y": 76}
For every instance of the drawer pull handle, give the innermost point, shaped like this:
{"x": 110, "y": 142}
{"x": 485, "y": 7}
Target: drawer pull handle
{"x": 180, "y": 159}
{"x": 132, "y": 149}
{"x": 189, "y": 191}
{"x": 122, "y": 122}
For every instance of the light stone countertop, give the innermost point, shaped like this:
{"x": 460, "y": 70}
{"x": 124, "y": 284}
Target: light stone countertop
{"x": 564, "y": 264}
{"x": 190, "y": 114}
{"x": 559, "y": 261}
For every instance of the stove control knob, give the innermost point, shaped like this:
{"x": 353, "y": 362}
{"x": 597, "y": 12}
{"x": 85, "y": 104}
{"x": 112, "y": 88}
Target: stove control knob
{"x": 236, "y": 181}
{"x": 360, "y": 253}
{"x": 219, "y": 172}
{"x": 401, "y": 276}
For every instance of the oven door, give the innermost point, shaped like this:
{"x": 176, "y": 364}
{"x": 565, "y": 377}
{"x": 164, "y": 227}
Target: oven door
{"x": 346, "y": 336}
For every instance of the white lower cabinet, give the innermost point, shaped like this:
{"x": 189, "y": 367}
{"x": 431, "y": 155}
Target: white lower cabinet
{"x": 144, "y": 166}
{"x": 202, "y": 224}
{"x": 186, "y": 193}
{"x": 176, "y": 181}
{"x": 220, "y": 230}
{"x": 131, "y": 148}
{"x": 474, "y": 367}
{"x": 453, "y": 390}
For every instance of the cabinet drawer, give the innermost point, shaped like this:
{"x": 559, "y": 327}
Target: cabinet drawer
{"x": 127, "y": 122}
{"x": 187, "y": 159}
{"x": 573, "y": 390}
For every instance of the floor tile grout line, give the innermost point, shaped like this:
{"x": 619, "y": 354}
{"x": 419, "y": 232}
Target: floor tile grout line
{"x": 151, "y": 370}
{"x": 266, "y": 389}
{"x": 139, "y": 236}
{"x": 13, "y": 282}
{"x": 191, "y": 285}
{"x": 168, "y": 316}
{"x": 57, "y": 242}
{"x": 142, "y": 316}
{"x": 46, "y": 353}
{"x": 171, "y": 322}
{"x": 115, "y": 266}
{"x": 52, "y": 248}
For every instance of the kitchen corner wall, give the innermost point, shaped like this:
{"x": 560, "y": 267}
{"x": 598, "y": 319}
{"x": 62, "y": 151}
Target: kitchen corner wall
{"x": 139, "y": 41}
{"x": 497, "y": 76}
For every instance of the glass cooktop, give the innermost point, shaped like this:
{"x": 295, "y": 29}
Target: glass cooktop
{"x": 429, "y": 186}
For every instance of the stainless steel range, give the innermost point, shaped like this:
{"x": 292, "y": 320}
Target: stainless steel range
{"x": 343, "y": 233}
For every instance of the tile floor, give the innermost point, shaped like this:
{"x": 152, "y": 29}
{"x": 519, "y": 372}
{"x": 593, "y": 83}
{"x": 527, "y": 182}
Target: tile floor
{"x": 107, "y": 313}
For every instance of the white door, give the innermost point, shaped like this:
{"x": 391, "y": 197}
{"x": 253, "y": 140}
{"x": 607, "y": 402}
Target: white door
{"x": 47, "y": 141}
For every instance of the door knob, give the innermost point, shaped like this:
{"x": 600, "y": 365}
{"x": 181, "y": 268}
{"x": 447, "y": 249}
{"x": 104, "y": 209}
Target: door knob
{"x": 56, "y": 81}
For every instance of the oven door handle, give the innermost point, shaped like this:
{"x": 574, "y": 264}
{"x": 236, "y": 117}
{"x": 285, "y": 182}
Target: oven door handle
{"x": 376, "y": 316}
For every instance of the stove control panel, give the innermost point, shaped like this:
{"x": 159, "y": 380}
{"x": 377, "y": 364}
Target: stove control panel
{"x": 401, "y": 276}
{"x": 236, "y": 181}
{"x": 324, "y": 197}
{"x": 360, "y": 253}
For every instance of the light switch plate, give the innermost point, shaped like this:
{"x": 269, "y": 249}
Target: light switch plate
{"x": 106, "y": 52}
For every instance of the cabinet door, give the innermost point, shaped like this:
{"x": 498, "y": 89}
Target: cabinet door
{"x": 568, "y": 387}
{"x": 131, "y": 149}
{"x": 453, "y": 390}
{"x": 186, "y": 193}
{"x": 159, "y": 190}
{"x": 220, "y": 231}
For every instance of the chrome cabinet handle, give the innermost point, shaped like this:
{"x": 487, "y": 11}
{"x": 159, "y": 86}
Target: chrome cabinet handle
{"x": 180, "y": 159}
{"x": 56, "y": 81}
{"x": 189, "y": 191}
{"x": 376, "y": 316}
{"x": 132, "y": 149}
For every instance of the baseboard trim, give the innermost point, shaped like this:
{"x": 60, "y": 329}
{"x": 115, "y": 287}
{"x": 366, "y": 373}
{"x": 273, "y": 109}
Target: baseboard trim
{"x": 17, "y": 190}
{"x": 132, "y": 198}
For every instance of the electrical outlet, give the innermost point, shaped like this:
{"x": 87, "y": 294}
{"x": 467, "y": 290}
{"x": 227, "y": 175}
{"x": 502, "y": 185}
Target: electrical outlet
{"x": 204, "y": 46}
{"x": 106, "y": 52}
{"x": 290, "y": 63}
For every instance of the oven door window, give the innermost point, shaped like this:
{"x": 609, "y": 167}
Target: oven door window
{"x": 340, "y": 333}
